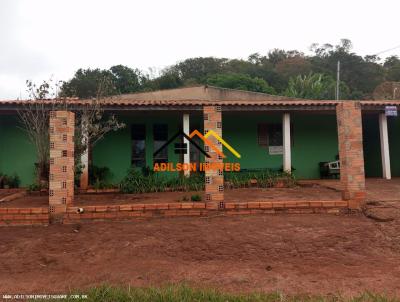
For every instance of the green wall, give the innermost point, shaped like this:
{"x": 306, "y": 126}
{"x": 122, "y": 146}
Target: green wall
{"x": 17, "y": 154}
{"x": 371, "y": 144}
{"x": 372, "y": 147}
{"x": 314, "y": 139}
{"x": 114, "y": 151}
{"x": 394, "y": 143}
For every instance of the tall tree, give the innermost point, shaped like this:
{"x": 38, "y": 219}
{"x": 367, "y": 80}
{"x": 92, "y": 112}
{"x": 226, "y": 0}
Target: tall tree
{"x": 361, "y": 75}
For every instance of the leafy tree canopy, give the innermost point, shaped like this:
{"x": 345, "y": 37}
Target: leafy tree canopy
{"x": 274, "y": 72}
{"x": 392, "y": 65}
{"x": 240, "y": 81}
{"x": 88, "y": 83}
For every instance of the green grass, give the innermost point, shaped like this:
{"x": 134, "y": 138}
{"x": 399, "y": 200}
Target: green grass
{"x": 183, "y": 293}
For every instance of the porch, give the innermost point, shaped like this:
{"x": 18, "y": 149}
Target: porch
{"x": 221, "y": 129}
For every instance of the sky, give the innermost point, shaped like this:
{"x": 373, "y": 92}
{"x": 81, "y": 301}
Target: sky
{"x": 45, "y": 39}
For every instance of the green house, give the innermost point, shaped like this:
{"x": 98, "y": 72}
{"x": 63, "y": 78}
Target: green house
{"x": 269, "y": 132}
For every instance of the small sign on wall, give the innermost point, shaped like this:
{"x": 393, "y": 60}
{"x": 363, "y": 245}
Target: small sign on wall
{"x": 390, "y": 110}
{"x": 275, "y": 150}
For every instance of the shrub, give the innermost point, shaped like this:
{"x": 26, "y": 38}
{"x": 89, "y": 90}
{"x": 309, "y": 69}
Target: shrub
{"x": 264, "y": 179}
{"x": 10, "y": 181}
{"x": 195, "y": 197}
{"x": 99, "y": 177}
{"x": 136, "y": 182}
{"x": 34, "y": 187}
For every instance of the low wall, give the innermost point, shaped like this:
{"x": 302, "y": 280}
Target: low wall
{"x": 24, "y": 216}
{"x": 40, "y": 216}
{"x": 132, "y": 211}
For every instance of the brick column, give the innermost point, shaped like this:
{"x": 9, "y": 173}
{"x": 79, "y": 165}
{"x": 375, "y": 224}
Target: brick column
{"x": 351, "y": 155}
{"x": 61, "y": 183}
{"x": 214, "y": 178}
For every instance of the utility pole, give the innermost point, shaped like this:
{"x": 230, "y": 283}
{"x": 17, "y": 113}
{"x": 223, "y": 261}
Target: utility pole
{"x": 338, "y": 81}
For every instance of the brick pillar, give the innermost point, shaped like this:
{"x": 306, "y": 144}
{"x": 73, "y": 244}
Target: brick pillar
{"x": 61, "y": 183}
{"x": 351, "y": 155}
{"x": 214, "y": 178}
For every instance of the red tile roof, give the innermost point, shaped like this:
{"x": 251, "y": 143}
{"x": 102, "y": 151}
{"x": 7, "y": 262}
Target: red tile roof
{"x": 199, "y": 96}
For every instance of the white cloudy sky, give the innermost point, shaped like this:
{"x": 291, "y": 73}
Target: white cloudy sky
{"x": 44, "y": 38}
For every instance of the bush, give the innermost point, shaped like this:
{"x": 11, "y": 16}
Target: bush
{"x": 136, "y": 182}
{"x": 263, "y": 179}
{"x": 9, "y": 181}
{"x": 195, "y": 197}
{"x": 99, "y": 177}
{"x": 34, "y": 187}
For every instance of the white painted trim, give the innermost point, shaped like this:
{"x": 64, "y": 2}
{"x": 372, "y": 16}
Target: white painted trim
{"x": 186, "y": 130}
{"x": 287, "y": 146}
{"x": 385, "y": 154}
{"x": 84, "y": 181}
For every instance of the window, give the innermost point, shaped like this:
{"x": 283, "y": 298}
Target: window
{"x": 275, "y": 136}
{"x": 270, "y": 135}
{"x": 138, "y": 135}
{"x": 160, "y": 136}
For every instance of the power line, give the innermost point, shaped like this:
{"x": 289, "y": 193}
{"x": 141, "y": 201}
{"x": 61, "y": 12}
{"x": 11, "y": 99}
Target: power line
{"x": 378, "y": 53}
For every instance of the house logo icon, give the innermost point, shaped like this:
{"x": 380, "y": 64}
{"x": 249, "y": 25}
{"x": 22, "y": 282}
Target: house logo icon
{"x": 181, "y": 148}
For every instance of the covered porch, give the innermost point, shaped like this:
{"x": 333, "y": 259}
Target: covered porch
{"x": 259, "y": 132}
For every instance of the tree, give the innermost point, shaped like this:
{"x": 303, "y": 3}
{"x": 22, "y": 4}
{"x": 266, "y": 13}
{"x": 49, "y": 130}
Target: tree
{"x": 169, "y": 79}
{"x": 34, "y": 117}
{"x": 91, "y": 124}
{"x": 315, "y": 86}
{"x": 277, "y": 55}
{"x": 240, "y": 81}
{"x": 257, "y": 67}
{"x": 199, "y": 69}
{"x": 361, "y": 75}
{"x": 86, "y": 83}
{"x": 127, "y": 80}
{"x": 293, "y": 66}
{"x": 392, "y": 68}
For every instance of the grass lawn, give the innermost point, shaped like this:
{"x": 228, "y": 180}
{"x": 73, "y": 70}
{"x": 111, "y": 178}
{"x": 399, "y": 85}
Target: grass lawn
{"x": 183, "y": 293}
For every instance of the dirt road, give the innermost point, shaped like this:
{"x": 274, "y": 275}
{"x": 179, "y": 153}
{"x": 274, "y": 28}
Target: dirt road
{"x": 293, "y": 253}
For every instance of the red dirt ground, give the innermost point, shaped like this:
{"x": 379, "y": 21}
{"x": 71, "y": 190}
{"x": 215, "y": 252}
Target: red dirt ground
{"x": 318, "y": 254}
